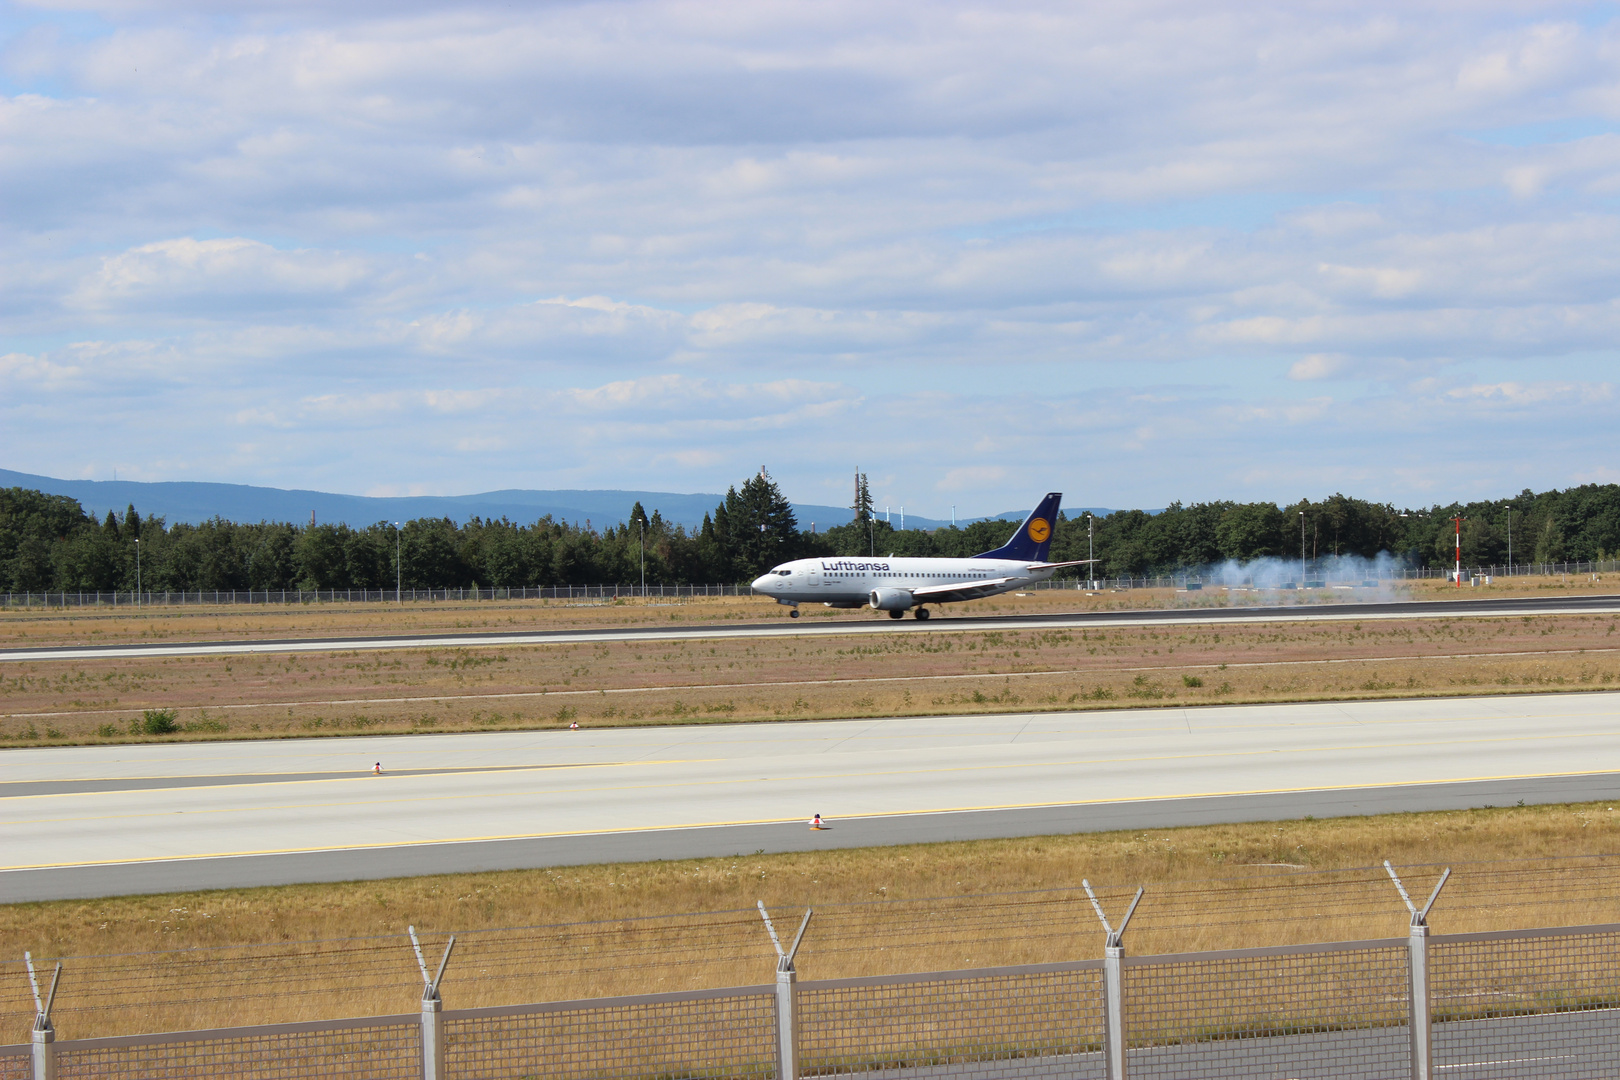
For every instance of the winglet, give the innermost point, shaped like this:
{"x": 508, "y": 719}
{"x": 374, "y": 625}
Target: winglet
{"x": 1033, "y": 539}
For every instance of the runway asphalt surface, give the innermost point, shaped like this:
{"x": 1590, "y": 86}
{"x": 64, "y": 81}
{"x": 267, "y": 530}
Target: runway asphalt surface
{"x": 94, "y": 821}
{"x": 956, "y": 619}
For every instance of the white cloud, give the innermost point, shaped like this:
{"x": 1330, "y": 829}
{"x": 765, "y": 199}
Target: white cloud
{"x": 978, "y": 479}
{"x": 1527, "y": 394}
{"x": 23, "y": 368}
{"x": 1317, "y": 366}
{"x": 656, "y": 239}
{"x": 217, "y": 275}
{"x": 1534, "y": 58}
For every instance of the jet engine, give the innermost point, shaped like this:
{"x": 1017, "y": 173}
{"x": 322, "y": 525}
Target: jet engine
{"x": 891, "y": 600}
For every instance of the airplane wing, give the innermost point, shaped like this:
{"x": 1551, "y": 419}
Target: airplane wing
{"x": 1060, "y": 565}
{"x": 941, "y": 594}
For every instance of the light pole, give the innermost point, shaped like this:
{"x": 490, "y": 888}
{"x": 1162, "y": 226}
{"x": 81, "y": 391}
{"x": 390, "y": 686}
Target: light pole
{"x": 1091, "y": 555}
{"x": 397, "y": 572}
{"x": 137, "y": 571}
{"x": 1510, "y": 541}
{"x": 643, "y": 525}
{"x": 1458, "y": 520}
{"x": 1302, "y": 574}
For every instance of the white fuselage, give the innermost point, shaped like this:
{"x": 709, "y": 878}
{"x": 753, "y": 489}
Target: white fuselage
{"x": 850, "y": 581}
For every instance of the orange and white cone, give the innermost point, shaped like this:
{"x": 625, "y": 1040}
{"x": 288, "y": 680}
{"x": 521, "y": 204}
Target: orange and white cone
{"x": 377, "y": 768}
{"x": 815, "y": 822}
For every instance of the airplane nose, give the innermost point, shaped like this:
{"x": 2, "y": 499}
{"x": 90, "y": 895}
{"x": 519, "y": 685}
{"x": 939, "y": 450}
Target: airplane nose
{"x": 759, "y": 582}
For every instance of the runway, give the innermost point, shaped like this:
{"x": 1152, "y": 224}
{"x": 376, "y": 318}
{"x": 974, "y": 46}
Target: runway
{"x": 953, "y": 620}
{"x": 94, "y": 821}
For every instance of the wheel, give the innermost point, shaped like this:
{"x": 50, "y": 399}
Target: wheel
{"x": 922, "y": 613}
{"x": 897, "y": 614}
{"x": 794, "y": 614}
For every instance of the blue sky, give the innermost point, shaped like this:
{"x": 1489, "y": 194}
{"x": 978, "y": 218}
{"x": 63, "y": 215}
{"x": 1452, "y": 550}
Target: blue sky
{"x": 1137, "y": 253}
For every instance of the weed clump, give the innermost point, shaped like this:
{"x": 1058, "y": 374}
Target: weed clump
{"x": 155, "y": 722}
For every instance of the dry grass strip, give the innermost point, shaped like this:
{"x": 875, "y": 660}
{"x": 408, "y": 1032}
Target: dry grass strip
{"x": 312, "y": 951}
{"x": 902, "y": 674}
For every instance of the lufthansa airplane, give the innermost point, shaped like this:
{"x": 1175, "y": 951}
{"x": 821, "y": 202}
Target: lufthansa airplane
{"x": 899, "y": 585}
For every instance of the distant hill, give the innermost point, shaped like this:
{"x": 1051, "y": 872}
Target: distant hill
{"x": 194, "y": 502}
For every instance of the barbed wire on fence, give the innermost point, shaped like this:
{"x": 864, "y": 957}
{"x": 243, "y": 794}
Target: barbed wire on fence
{"x": 229, "y": 984}
{"x": 1534, "y": 1001}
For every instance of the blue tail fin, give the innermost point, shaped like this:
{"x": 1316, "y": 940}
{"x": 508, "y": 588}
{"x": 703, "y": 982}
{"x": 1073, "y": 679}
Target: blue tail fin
{"x": 1034, "y": 537}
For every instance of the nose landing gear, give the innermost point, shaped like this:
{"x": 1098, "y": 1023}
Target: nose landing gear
{"x": 794, "y": 614}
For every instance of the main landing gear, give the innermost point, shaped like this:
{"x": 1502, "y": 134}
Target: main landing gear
{"x": 921, "y": 614}
{"x": 897, "y": 614}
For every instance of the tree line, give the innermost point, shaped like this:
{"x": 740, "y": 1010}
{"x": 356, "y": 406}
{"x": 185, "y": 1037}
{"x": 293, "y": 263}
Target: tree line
{"x": 48, "y": 542}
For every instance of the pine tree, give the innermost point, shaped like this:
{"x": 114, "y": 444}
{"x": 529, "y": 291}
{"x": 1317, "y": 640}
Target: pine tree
{"x": 762, "y": 529}
{"x": 863, "y": 498}
{"x": 716, "y": 543}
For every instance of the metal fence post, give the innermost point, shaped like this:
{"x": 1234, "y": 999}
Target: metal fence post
{"x": 1421, "y": 1031}
{"x": 43, "y": 1035}
{"x": 787, "y": 1009}
{"x": 432, "y": 1038}
{"x": 787, "y": 1031}
{"x": 1114, "y": 1011}
{"x": 1418, "y": 964}
{"x": 1113, "y": 985}
{"x": 433, "y": 1064}
{"x": 44, "y": 1053}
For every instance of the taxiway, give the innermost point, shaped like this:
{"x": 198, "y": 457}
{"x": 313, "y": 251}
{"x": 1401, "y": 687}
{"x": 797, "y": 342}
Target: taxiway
{"x": 92, "y": 821}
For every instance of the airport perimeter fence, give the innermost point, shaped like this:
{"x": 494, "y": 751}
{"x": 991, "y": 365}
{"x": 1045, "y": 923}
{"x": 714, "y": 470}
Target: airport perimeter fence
{"x": 593, "y": 594}
{"x": 1538, "y": 1003}
{"x": 1375, "y": 578}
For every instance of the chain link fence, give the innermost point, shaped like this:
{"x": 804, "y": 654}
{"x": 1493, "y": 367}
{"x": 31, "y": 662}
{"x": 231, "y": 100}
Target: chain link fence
{"x": 1542, "y": 1003}
{"x": 598, "y": 594}
{"x": 1031, "y": 1021}
{"x": 374, "y": 1048}
{"x": 1330, "y": 1011}
{"x": 697, "y": 1035}
{"x": 1536, "y": 1003}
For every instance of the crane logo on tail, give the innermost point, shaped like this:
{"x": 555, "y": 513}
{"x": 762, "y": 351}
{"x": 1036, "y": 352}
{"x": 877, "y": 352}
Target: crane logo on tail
{"x": 1039, "y": 530}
